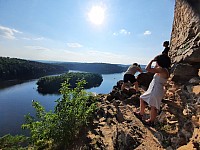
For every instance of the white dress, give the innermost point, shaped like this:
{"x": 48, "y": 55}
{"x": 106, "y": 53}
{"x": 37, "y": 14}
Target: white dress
{"x": 155, "y": 92}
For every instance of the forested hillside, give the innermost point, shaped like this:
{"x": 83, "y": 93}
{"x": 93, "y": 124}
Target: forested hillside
{"x": 14, "y": 68}
{"x": 101, "y": 68}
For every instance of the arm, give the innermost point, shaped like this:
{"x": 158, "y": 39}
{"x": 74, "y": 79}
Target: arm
{"x": 153, "y": 70}
{"x": 139, "y": 69}
{"x": 148, "y": 67}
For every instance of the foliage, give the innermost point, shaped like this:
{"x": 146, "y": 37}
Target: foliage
{"x": 52, "y": 84}
{"x": 59, "y": 128}
{"x": 13, "y": 68}
{"x": 13, "y": 142}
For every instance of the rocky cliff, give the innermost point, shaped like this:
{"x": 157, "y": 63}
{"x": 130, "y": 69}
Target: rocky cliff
{"x": 115, "y": 127}
{"x": 185, "y": 40}
{"x": 185, "y": 77}
{"x": 178, "y": 124}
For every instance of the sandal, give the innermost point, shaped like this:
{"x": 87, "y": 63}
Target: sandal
{"x": 138, "y": 115}
{"x": 148, "y": 123}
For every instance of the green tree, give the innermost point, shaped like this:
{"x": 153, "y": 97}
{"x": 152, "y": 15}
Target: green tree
{"x": 14, "y": 68}
{"x": 59, "y": 128}
{"x": 9, "y": 142}
{"x": 52, "y": 84}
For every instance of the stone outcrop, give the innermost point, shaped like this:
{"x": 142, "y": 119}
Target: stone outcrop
{"x": 115, "y": 127}
{"x": 182, "y": 72}
{"x": 185, "y": 56}
{"x": 181, "y": 114}
{"x": 185, "y": 37}
{"x": 185, "y": 40}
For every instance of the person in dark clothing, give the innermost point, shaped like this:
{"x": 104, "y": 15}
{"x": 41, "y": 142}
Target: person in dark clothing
{"x": 166, "y": 50}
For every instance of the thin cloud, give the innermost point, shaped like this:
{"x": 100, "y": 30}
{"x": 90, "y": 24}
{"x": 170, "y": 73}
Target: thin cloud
{"x": 39, "y": 38}
{"x": 89, "y": 55}
{"x": 147, "y": 32}
{"x": 103, "y": 56}
{"x": 26, "y": 38}
{"x": 95, "y": 52}
{"x": 8, "y": 33}
{"x": 122, "y": 32}
{"x": 37, "y": 48}
{"x": 34, "y": 39}
{"x": 74, "y": 45}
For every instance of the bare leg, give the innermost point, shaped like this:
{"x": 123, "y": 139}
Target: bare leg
{"x": 142, "y": 106}
{"x": 153, "y": 114}
{"x": 136, "y": 86}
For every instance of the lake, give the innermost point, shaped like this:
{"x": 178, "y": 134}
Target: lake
{"x": 16, "y": 101}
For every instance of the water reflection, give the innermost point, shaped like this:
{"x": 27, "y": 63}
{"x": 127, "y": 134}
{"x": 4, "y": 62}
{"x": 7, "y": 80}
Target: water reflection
{"x": 16, "y": 101}
{"x": 9, "y": 83}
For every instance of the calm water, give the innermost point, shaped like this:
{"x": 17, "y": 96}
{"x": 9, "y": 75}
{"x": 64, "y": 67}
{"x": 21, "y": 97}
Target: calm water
{"x": 16, "y": 100}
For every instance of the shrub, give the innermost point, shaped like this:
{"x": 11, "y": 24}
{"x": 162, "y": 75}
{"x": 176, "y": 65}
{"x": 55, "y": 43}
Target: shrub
{"x": 73, "y": 110}
{"x": 13, "y": 142}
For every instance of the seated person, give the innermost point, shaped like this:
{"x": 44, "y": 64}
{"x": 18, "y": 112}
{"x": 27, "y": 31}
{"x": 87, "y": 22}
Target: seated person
{"x": 166, "y": 50}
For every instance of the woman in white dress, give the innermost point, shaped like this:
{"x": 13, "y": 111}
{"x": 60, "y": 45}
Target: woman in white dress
{"x": 155, "y": 92}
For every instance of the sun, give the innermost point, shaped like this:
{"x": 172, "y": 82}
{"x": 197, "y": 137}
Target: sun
{"x": 97, "y": 15}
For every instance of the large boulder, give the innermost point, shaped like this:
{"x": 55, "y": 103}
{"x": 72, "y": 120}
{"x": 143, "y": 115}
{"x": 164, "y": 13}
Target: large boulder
{"x": 183, "y": 72}
{"x": 144, "y": 79}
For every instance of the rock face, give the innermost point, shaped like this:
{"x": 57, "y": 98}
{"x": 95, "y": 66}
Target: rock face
{"x": 183, "y": 72}
{"x": 185, "y": 56}
{"x": 185, "y": 39}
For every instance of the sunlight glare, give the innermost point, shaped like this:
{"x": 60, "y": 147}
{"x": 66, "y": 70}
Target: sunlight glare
{"x": 97, "y": 15}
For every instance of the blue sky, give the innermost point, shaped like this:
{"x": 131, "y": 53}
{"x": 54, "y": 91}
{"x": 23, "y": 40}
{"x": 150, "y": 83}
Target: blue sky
{"x": 108, "y": 31}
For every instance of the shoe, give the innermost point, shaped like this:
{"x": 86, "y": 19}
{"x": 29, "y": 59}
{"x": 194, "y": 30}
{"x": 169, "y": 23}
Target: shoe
{"x": 148, "y": 123}
{"x": 138, "y": 115}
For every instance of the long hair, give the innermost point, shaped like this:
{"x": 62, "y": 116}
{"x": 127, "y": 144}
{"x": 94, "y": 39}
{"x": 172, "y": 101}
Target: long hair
{"x": 163, "y": 61}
